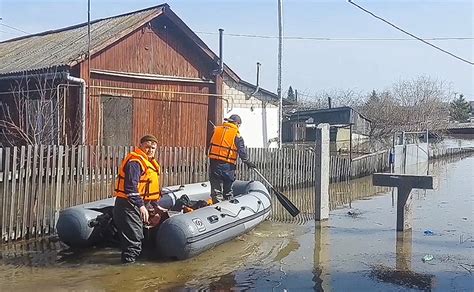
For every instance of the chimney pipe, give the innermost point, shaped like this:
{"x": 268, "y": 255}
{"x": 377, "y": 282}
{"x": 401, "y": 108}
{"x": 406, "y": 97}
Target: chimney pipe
{"x": 257, "y": 88}
{"x": 221, "y": 48}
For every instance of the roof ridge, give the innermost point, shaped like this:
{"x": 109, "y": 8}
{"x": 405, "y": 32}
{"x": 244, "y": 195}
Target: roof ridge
{"x": 71, "y": 27}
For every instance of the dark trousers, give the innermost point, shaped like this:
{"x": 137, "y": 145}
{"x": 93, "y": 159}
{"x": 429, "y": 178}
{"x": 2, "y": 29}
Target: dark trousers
{"x": 130, "y": 226}
{"x": 221, "y": 177}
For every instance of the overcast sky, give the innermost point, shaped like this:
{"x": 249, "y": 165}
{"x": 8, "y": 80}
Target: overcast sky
{"x": 308, "y": 65}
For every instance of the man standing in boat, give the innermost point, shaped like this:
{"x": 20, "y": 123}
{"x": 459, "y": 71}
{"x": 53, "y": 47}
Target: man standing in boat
{"x": 138, "y": 187}
{"x": 226, "y": 146}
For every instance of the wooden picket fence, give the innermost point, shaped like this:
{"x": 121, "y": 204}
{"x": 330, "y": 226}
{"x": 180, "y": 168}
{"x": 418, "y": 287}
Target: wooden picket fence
{"x": 370, "y": 163}
{"x": 37, "y": 181}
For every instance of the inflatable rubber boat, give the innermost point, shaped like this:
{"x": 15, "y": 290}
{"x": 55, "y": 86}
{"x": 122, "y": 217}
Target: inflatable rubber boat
{"x": 182, "y": 235}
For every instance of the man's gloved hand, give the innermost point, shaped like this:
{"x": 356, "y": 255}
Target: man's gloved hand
{"x": 250, "y": 164}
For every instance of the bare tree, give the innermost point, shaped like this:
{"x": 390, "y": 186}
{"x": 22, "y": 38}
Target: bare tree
{"x": 409, "y": 105}
{"x": 320, "y": 100}
{"x": 31, "y": 115}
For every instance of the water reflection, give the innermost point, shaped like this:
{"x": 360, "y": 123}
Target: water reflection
{"x": 404, "y": 278}
{"x": 403, "y": 250}
{"x": 240, "y": 263}
{"x": 321, "y": 258}
{"x": 292, "y": 245}
{"x": 38, "y": 253}
{"x": 340, "y": 194}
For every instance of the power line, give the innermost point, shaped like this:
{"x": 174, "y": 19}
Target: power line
{"x": 14, "y": 28}
{"x": 305, "y": 37}
{"x": 8, "y": 32}
{"x": 410, "y": 34}
{"x": 335, "y": 39}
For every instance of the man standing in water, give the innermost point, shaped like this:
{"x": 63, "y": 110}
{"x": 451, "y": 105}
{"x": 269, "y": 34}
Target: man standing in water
{"x": 138, "y": 186}
{"x": 225, "y": 147}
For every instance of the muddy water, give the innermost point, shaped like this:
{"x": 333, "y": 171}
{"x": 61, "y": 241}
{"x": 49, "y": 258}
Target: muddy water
{"x": 356, "y": 249}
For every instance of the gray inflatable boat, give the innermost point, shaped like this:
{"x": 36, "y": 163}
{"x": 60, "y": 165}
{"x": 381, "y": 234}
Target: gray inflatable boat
{"x": 181, "y": 236}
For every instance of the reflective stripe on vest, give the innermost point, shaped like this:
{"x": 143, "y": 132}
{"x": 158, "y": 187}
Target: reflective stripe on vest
{"x": 149, "y": 183}
{"x": 223, "y": 146}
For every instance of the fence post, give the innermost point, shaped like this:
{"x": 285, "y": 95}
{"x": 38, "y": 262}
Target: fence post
{"x": 59, "y": 179}
{"x": 321, "y": 162}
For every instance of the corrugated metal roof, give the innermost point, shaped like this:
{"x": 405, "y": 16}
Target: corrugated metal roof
{"x": 68, "y": 46}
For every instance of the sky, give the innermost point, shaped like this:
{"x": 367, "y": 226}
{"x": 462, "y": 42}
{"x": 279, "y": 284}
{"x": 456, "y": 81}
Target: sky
{"x": 308, "y": 65}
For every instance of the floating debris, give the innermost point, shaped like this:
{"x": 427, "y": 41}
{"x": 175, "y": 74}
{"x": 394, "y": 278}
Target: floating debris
{"x": 428, "y": 232}
{"x": 353, "y": 213}
{"x": 427, "y": 258}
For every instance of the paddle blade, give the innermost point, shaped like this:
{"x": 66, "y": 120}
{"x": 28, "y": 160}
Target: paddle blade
{"x": 287, "y": 204}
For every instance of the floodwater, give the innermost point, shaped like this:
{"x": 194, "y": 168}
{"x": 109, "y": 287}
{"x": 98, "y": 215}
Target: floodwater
{"x": 357, "y": 249}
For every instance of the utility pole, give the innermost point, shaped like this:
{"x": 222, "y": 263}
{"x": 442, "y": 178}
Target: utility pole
{"x": 280, "y": 49}
{"x": 89, "y": 39}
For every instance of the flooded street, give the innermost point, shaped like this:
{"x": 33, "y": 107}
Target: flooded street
{"x": 356, "y": 249}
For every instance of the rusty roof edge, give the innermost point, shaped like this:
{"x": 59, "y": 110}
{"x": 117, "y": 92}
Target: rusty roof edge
{"x": 197, "y": 40}
{"x": 190, "y": 33}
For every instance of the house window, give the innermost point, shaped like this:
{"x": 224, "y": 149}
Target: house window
{"x": 117, "y": 117}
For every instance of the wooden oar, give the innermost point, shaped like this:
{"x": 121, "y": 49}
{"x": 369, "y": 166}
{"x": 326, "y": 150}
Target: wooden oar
{"x": 286, "y": 203}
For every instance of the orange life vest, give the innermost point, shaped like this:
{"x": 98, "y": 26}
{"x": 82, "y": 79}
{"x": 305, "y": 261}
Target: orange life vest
{"x": 149, "y": 184}
{"x": 223, "y": 143}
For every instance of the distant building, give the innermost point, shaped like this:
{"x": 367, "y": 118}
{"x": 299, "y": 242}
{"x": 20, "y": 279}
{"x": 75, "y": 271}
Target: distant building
{"x": 347, "y": 127}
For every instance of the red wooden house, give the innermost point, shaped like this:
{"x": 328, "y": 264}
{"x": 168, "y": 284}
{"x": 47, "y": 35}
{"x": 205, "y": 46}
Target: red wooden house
{"x": 147, "y": 72}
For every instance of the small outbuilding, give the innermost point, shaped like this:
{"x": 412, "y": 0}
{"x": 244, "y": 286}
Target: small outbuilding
{"x": 347, "y": 127}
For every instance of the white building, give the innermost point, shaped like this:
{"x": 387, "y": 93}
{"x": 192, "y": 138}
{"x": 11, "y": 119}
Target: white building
{"x": 257, "y": 107}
